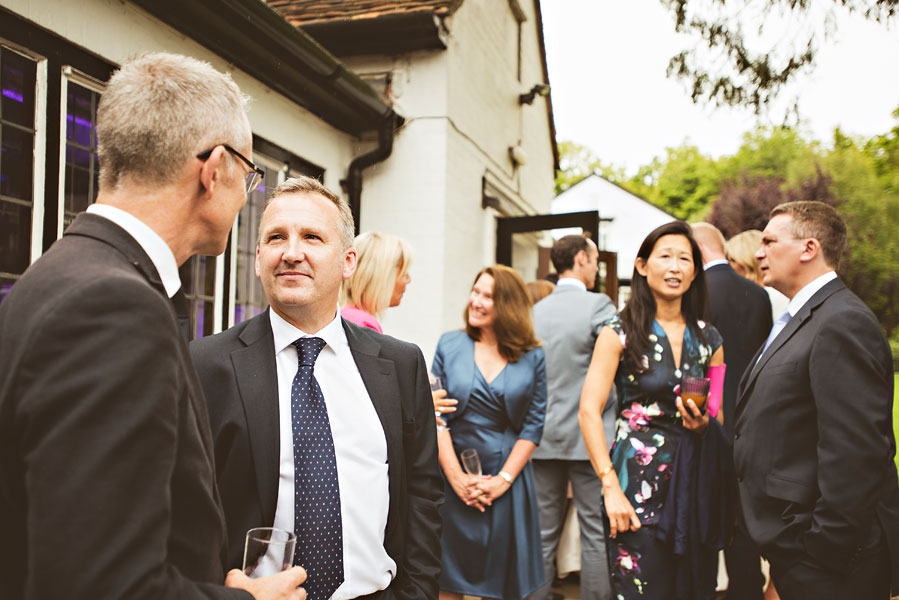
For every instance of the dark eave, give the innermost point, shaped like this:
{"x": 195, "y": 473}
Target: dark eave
{"x": 256, "y": 40}
{"x": 386, "y": 34}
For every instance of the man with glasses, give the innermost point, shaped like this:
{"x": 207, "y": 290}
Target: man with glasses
{"x": 107, "y": 485}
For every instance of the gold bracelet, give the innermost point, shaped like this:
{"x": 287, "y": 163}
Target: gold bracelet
{"x": 606, "y": 471}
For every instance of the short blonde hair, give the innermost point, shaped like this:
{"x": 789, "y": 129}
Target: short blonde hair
{"x": 381, "y": 259}
{"x": 741, "y": 249}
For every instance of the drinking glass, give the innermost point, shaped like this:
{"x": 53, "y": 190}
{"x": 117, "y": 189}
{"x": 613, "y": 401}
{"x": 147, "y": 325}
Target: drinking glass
{"x": 437, "y": 384}
{"x": 471, "y": 463}
{"x": 268, "y": 550}
{"x": 695, "y": 389}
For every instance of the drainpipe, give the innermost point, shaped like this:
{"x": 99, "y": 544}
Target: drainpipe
{"x": 353, "y": 182}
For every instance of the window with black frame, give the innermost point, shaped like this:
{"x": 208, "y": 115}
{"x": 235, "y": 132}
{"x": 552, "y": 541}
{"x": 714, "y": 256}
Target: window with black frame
{"x": 81, "y": 167}
{"x": 18, "y": 75}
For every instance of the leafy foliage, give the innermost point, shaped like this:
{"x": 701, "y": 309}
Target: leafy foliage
{"x": 730, "y": 67}
{"x": 773, "y": 165}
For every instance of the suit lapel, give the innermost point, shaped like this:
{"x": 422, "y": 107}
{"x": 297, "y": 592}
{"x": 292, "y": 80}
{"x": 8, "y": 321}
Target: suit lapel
{"x": 380, "y": 379}
{"x": 257, "y": 380}
{"x": 805, "y": 313}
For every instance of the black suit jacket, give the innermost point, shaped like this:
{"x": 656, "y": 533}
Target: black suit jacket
{"x": 106, "y": 467}
{"x": 814, "y": 443}
{"x": 237, "y": 371}
{"x": 741, "y": 312}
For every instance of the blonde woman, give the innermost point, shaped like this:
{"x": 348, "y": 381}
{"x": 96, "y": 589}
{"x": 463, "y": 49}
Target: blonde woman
{"x": 740, "y": 251}
{"x": 380, "y": 280}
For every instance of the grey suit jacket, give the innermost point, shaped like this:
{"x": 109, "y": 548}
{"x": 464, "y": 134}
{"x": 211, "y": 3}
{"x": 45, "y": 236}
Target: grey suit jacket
{"x": 568, "y": 322}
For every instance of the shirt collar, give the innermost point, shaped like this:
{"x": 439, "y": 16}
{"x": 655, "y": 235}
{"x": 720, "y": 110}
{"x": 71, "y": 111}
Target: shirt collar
{"x": 285, "y": 334}
{"x": 571, "y": 281}
{"x": 805, "y": 294}
{"x": 714, "y": 263}
{"x": 159, "y": 252}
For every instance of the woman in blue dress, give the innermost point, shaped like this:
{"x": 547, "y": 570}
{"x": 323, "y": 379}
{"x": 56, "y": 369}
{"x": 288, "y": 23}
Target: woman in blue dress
{"x": 658, "y": 339}
{"x": 496, "y": 370}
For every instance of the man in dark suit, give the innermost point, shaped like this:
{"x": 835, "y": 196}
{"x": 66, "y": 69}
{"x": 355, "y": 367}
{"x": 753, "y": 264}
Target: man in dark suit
{"x": 375, "y": 445}
{"x": 107, "y": 488}
{"x": 813, "y": 438}
{"x": 741, "y": 312}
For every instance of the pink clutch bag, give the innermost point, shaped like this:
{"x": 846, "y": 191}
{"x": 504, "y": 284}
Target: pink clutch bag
{"x": 716, "y": 388}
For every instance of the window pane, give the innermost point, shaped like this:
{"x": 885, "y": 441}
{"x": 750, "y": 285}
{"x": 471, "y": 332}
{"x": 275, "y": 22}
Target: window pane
{"x": 82, "y": 165}
{"x": 16, "y": 162}
{"x": 17, "y": 81}
{"x": 79, "y": 115}
{"x": 78, "y": 179}
{"x": 250, "y": 298}
{"x": 195, "y": 273}
{"x": 15, "y": 237}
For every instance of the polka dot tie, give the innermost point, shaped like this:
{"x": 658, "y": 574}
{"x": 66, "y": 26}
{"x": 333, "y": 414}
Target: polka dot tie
{"x": 316, "y": 491}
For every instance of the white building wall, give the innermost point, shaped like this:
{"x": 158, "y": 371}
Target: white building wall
{"x": 633, "y": 217}
{"x": 116, "y": 30}
{"x": 462, "y": 114}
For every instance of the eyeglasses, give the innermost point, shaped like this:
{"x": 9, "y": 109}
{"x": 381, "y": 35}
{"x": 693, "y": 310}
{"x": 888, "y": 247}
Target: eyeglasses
{"x": 253, "y": 177}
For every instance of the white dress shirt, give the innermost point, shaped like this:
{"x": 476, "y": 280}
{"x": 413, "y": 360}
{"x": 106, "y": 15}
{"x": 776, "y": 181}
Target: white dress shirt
{"x": 155, "y": 247}
{"x": 810, "y": 289}
{"x": 360, "y": 447}
{"x": 714, "y": 263}
{"x": 571, "y": 281}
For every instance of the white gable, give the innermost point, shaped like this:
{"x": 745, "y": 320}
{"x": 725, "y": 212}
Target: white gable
{"x": 632, "y": 217}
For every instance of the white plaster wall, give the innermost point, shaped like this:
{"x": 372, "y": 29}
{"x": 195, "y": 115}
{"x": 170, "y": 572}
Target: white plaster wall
{"x": 633, "y": 217}
{"x": 537, "y": 178}
{"x": 117, "y": 30}
{"x": 406, "y": 195}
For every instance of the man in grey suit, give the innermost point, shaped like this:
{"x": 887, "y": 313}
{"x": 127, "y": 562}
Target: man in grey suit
{"x": 568, "y": 322}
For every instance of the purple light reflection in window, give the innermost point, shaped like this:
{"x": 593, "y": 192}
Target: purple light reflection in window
{"x": 13, "y": 95}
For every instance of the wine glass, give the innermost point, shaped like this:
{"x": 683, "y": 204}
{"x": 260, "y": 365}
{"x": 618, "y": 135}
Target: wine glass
{"x": 695, "y": 389}
{"x": 437, "y": 385}
{"x": 268, "y": 550}
{"x": 471, "y": 462}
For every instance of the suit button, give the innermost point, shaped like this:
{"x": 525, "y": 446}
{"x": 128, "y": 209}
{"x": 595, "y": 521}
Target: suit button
{"x": 736, "y": 436}
{"x": 740, "y": 479}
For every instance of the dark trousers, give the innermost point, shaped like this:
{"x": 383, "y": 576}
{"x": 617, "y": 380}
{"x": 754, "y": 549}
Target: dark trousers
{"x": 744, "y": 569}
{"x": 808, "y": 580}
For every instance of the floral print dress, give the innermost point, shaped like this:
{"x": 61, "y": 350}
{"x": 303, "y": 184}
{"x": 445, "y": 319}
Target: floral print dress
{"x": 649, "y": 428}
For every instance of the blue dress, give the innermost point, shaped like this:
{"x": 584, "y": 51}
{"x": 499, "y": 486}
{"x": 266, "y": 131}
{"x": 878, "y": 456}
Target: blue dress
{"x": 497, "y": 553}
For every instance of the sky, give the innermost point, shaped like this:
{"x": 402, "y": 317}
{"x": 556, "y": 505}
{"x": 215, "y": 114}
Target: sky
{"x": 607, "y": 62}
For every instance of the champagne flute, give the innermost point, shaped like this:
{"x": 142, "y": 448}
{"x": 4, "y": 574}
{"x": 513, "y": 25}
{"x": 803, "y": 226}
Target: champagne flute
{"x": 268, "y": 550}
{"x": 471, "y": 462}
{"x": 437, "y": 385}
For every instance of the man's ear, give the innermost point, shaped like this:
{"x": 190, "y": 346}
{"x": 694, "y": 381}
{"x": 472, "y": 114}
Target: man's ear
{"x": 811, "y": 248}
{"x": 212, "y": 172}
{"x": 580, "y": 259}
{"x": 349, "y": 264}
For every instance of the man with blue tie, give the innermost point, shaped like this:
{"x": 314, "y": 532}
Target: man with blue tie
{"x": 813, "y": 438}
{"x": 321, "y": 427}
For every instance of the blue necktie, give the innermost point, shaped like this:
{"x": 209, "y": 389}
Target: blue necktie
{"x": 316, "y": 491}
{"x": 778, "y": 326}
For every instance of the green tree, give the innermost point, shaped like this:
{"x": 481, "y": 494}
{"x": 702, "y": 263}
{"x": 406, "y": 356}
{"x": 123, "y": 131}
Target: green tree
{"x": 577, "y": 161}
{"x": 684, "y": 183}
{"x": 729, "y": 67}
{"x": 779, "y": 152}
{"x": 870, "y": 205}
